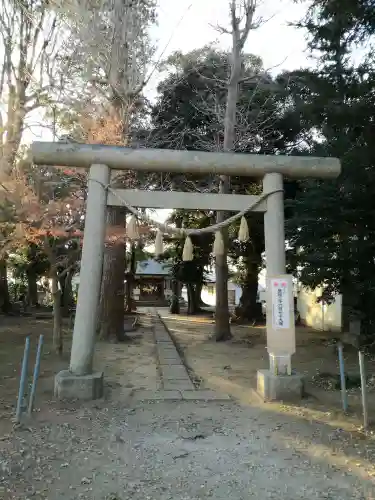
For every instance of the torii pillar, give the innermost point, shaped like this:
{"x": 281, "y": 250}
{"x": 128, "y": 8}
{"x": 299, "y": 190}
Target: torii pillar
{"x": 277, "y": 382}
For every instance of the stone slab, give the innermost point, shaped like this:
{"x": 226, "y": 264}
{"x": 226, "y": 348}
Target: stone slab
{"x": 174, "y": 372}
{"x": 178, "y": 385}
{"x": 173, "y": 361}
{"x": 170, "y": 353}
{"x": 279, "y": 387}
{"x": 166, "y": 346}
{"x": 204, "y": 395}
{"x": 85, "y": 387}
{"x": 162, "y": 340}
{"x": 161, "y": 331}
{"x": 159, "y": 395}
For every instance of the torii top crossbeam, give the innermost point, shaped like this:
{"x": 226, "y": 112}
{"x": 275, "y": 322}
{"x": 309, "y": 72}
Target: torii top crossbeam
{"x": 166, "y": 160}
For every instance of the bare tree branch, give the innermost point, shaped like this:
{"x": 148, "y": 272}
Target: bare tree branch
{"x": 29, "y": 40}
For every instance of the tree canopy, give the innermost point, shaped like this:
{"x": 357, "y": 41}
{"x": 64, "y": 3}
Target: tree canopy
{"x": 188, "y": 114}
{"x": 332, "y": 232}
{"x": 86, "y": 66}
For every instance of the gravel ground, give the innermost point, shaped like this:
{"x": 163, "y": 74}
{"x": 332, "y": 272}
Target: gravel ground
{"x": 180, "y": 451}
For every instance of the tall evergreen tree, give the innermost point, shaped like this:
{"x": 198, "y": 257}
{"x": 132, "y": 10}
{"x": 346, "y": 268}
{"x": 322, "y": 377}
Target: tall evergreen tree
{"x": 332, "y": 231}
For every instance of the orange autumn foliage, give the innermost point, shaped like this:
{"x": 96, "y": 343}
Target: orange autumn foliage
{"x": 29, "y": 219}
{"x": 107, "y": 128}
{"x": 29, "y": 216}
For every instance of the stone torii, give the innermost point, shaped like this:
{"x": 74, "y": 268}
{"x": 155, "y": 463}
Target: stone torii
{"x": 81, "y": 381}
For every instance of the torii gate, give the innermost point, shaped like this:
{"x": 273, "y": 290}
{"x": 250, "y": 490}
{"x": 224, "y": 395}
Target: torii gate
{"x": 80, "y": 381}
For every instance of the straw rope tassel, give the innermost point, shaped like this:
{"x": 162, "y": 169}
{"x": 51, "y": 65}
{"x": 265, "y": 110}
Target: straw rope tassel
{"x": 218, "y": 248}
{"x": 159, "y": 247}
{"x": 187, "y": 253}
{"x": 243, "y": 233}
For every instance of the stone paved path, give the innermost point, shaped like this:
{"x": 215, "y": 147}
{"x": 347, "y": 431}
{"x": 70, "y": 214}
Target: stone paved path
{"x": 174, "y": 375}
{"x": 175, "y": 380}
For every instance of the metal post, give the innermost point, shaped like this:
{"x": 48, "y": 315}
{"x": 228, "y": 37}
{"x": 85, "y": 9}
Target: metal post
{"x": 274, "y": 235}
{"x": 362, "y": 369}
{"x": 35, "y": 375}
{"x": 82, "y": 352}
{"x": 344, "y": 395}
{"x": 21, "y": 390}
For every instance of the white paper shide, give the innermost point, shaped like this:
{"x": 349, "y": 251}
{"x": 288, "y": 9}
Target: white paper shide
{"x": 280, "y": 304}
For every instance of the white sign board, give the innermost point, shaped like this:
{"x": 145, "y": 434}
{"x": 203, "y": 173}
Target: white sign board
{"x": 280, "y": 315}
{"x": 280, "y": 304}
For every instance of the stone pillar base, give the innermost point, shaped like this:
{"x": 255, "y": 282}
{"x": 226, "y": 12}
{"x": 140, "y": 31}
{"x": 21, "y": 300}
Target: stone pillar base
{"x": 279, "y": 387}
{"x": 85, "y": 387}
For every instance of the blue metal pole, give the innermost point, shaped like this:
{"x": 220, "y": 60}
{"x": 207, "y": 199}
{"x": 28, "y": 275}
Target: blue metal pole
{"x": 362, "y": 368}
{"x": 35, "y": 375}
{"x": 21, "y": 390}
{"x": 344, "y": 395}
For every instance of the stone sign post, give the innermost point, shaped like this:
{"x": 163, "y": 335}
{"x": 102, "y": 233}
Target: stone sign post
{"x": 279, "y": 382}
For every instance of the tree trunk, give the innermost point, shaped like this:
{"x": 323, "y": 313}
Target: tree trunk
{"x": 239, "y": 36}
{"x": 32, "y": 288}
{"x": 193, "y": 307}
{"x": 190, "y": 297}
{"x": 196, "y": 307}
{"x": 198, "y": 291}
{"x": 6, "y": 305}
{"x": 175, "y": 302}
{"x": 222, "y": 324}
{"x": 249, "y": 308}
{"x": 57, "y": 316}
{"x": 130, "y": 279}
{"x": 67, "y": 299}
{"x": 176, "y": 285}
{"x": 112, "y": 307}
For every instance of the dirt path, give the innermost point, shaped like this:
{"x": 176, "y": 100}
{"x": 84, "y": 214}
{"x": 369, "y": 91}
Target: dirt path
{"x": 232, "y": 366}
{"x": 184, "y": 451}
{"x": 125, "y": 448}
